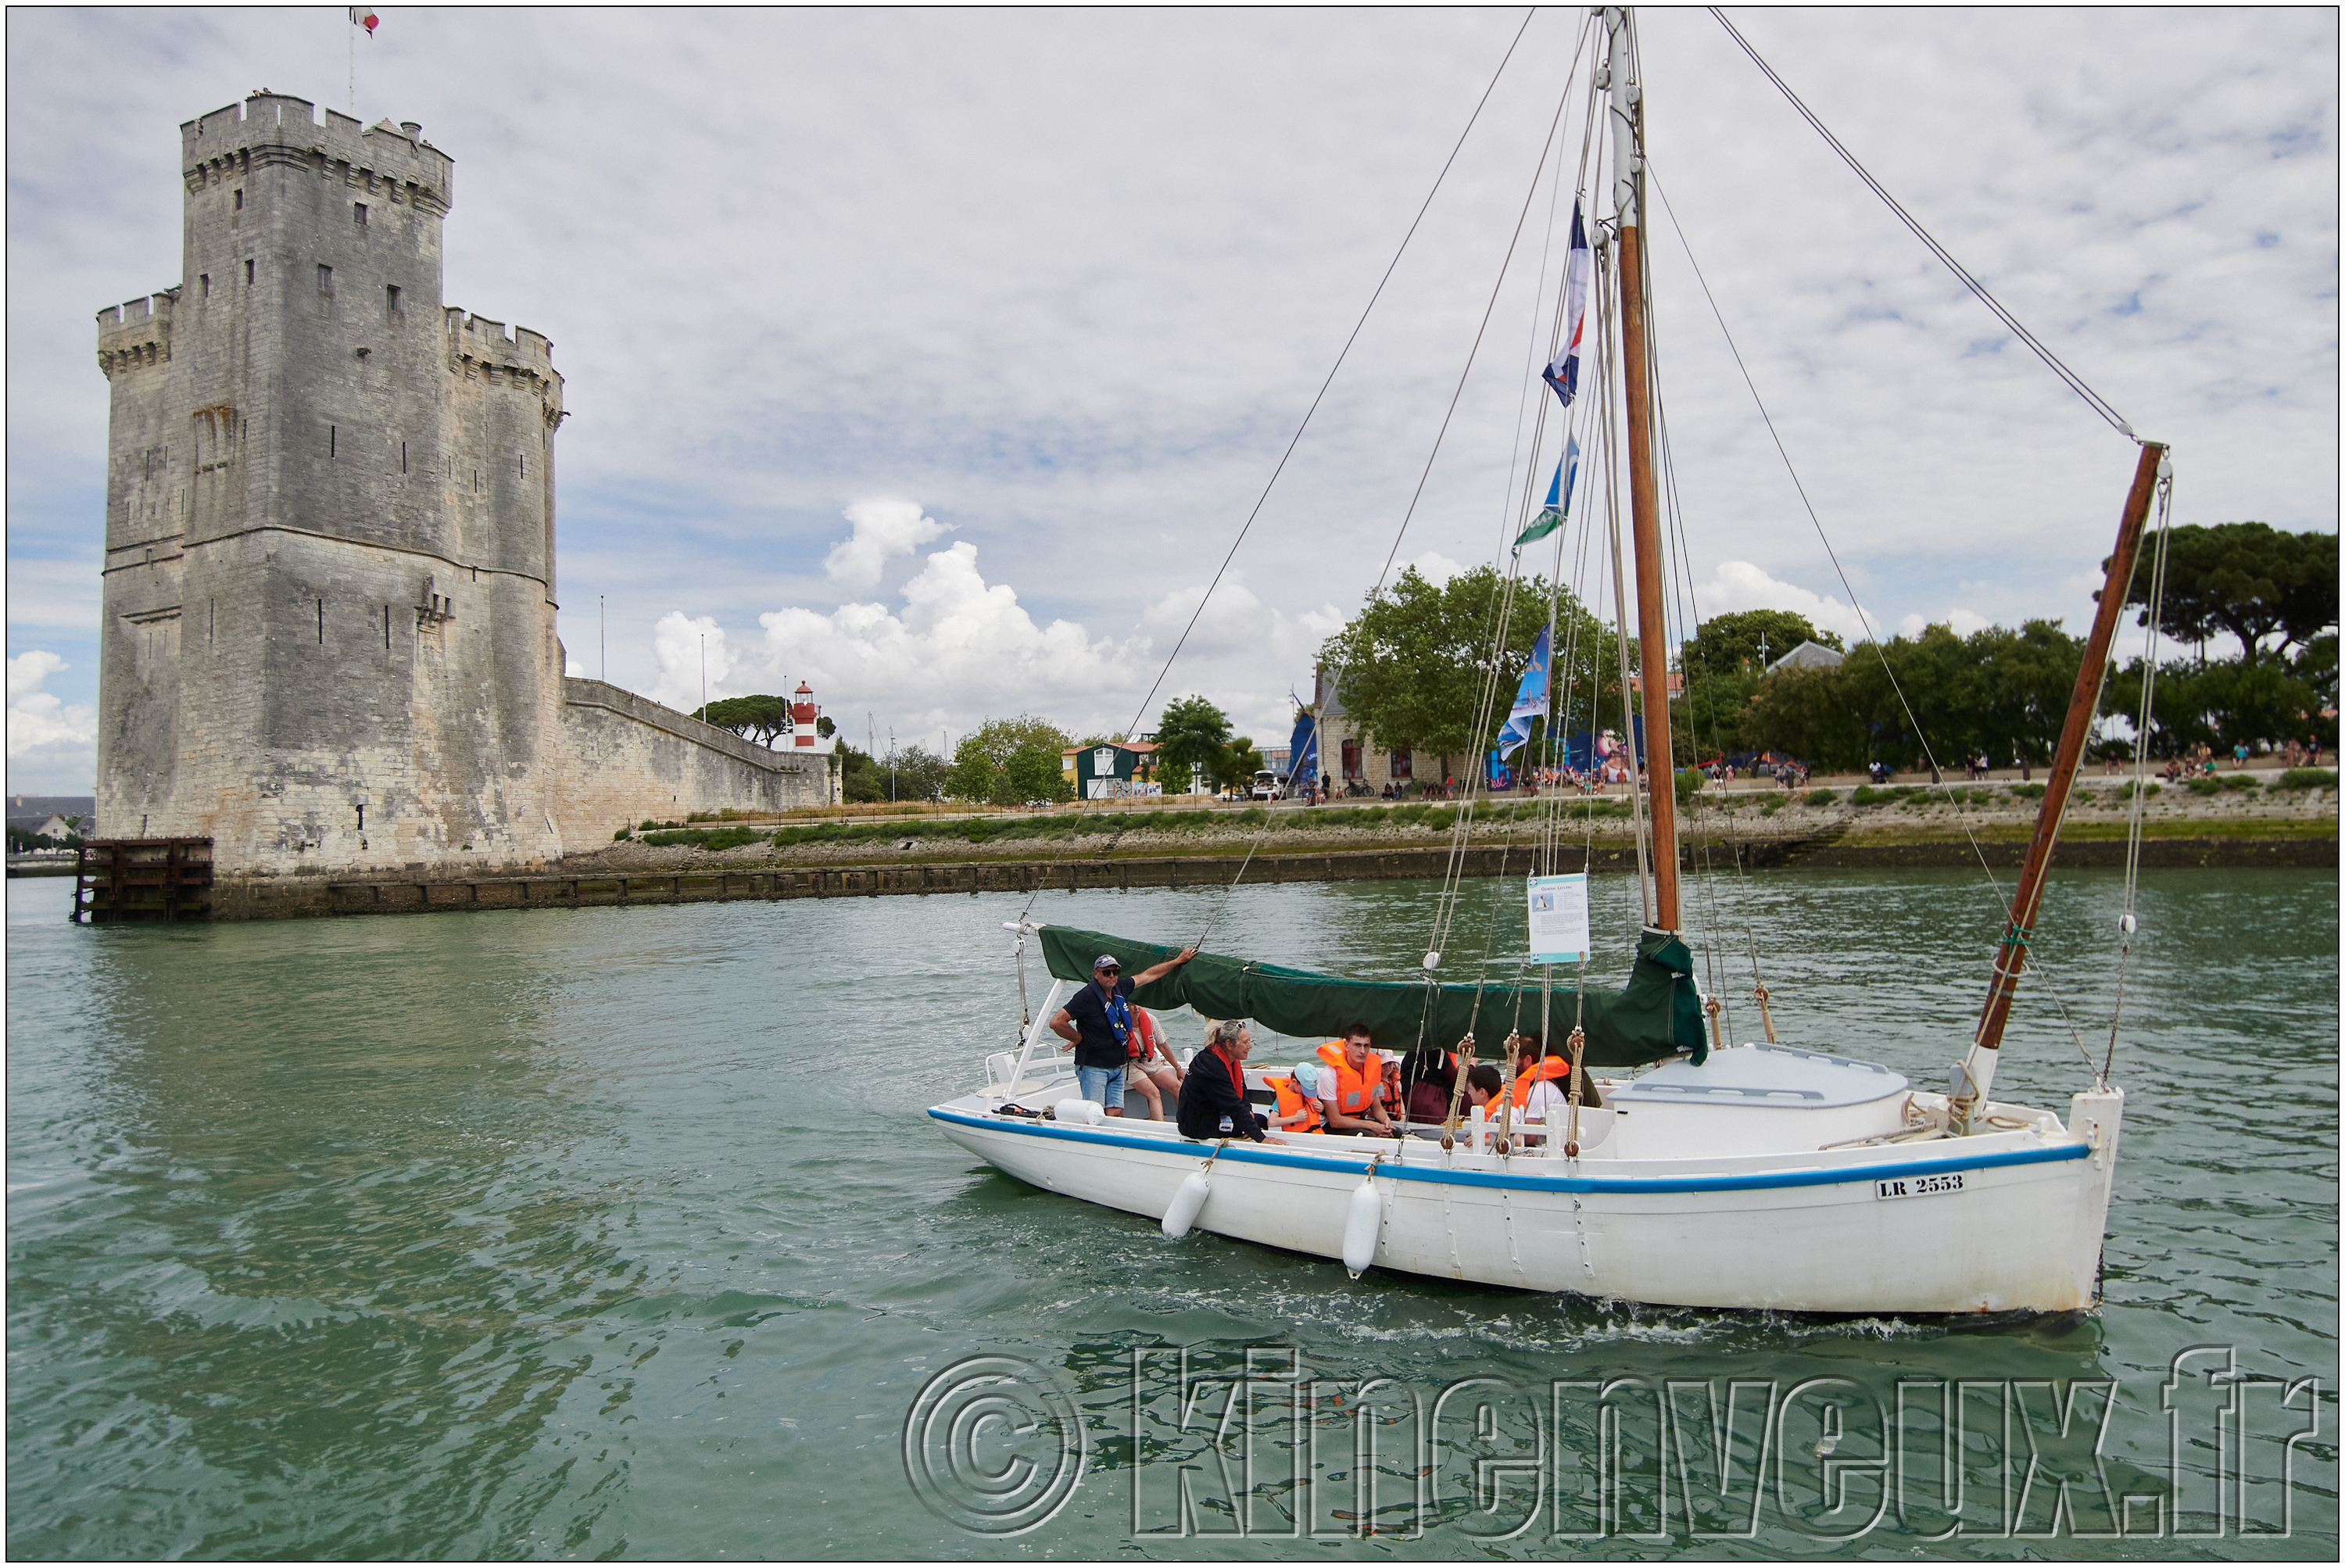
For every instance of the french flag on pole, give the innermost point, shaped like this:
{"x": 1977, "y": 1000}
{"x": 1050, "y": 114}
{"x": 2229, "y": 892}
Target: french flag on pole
{"x": 1563, "y": 375}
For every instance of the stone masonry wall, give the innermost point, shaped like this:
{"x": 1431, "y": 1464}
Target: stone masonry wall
{"x": 328, "y": 639}
{"x": 629, "y": 759}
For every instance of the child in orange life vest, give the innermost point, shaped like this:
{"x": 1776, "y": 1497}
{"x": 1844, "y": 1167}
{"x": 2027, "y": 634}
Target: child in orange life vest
{"x": 1298, "y": 1099}
{"x": 1545, "y": 1081}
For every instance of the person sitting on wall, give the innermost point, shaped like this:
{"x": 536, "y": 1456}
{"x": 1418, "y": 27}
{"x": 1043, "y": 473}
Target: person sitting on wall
{"x": 1213, "y": 1097}
{"x": 1149, "y": 1069}
{"x": 1096, "y": 1024}
{"x": 1356, "y": 1104}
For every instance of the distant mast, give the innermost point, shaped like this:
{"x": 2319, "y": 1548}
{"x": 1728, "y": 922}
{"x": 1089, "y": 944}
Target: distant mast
{"x": 1627, "y": 111}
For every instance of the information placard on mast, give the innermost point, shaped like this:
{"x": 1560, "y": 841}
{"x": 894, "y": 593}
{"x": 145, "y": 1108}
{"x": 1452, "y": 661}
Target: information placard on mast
{"x": 1558, "y": 918}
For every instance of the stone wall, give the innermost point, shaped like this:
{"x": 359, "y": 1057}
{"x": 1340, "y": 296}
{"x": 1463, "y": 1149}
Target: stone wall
{"x": 629, "y": 759}
{"x": 328, "y": 638}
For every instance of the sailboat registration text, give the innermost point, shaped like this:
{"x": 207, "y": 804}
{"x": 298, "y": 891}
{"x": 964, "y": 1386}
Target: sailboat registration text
{"x": 1917, "y": 1187}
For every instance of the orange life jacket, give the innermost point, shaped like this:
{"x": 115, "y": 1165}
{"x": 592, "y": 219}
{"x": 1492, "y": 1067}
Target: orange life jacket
{"x": 1552, "y": 1067}
{"x": 1144, "y": 1035}
{"x": 1356, "y": 1091}
{"x": 1290, "y": 1101}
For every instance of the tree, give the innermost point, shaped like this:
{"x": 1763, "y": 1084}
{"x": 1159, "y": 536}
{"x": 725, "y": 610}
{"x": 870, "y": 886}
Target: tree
{"x": 1190, "y": 734}
{"x": 860, "y": 780}
{"x": 1006, "y": 760}
{"x": 915, "y": 773}
{"x": 1414, "y": 667}
{"x": 2248, "y": 579}
{"x": 1239, "y": 762}
{"x": 825, "y": 728}
{"x": 1729, "y": 644}
{"x": 1806, "y": 712}
{"x": 762, "y": 719}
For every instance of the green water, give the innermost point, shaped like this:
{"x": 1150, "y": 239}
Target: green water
{"x": 622, "y": 1233}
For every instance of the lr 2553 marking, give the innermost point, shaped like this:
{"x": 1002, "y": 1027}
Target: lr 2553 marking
{"x": 1918, "y": 1185}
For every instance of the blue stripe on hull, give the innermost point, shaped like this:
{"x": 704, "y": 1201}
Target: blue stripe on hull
{"x": 1252, "y": 1154}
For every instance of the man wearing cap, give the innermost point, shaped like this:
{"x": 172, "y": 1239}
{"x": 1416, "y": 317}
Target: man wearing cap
{"x": 1096, "y": 1023}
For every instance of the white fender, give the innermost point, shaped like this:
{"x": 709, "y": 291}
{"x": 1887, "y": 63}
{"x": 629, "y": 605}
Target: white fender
{"x": 1082, "y": 1113}
{"x": 1360, "y": 1228}
{"x": 1187, "y": 1200}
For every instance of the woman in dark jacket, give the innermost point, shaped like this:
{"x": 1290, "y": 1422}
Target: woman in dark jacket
{"x": 1427, "y": 1078}
{"x": 1213, "y": 1096}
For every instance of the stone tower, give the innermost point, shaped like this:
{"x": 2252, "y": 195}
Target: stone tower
{"x": 329, "y": 636}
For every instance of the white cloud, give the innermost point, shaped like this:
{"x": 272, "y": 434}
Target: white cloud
{"x": 693, "y": 655}
{"x": 1963, "y": 622}
{"x": 882, "y": 529}
{"x": 1740, "y": 585}
{"x": 51, "y": 747}
{"x": 1435, "y": 567}
{"x": 958, "y": 650}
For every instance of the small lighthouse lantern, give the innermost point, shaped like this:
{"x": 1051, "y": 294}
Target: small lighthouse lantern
{"x": 804, "y": 711}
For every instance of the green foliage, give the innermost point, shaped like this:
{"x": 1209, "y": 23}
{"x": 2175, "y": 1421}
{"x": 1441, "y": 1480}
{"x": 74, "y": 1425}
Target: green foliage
{"x": 915, "y": 773}
{"x": 825, "y": 728}
{"x": 622, "y": 834}
{"x": 2027, "y": 792}
{"x": 1688, "y": 780}
{"x": 1866, "y": 795}
{"x": 2241, "y": 781}
{"x": 2250, "y": 699}
{"x": 709, "y": 839}
{"x": 1821, "y": 796}
{"x": 2307, "y": 778}
{"x": 2249, "y": 579}
{"x": 1729, "y": 644}
{"x": 1412, "y": 665}
{"x": 1240, "y": 760}
{"x": 1007, "y": 760}
{"x": 1191, "y": 733}
{"x": 1807, "y": 714}
{"x": 762, "y": 719}
{"x": 860, "y": 781}
{"x": 2204, "y": 786}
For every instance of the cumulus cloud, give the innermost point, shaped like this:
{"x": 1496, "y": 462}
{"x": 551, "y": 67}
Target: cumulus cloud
{"x": 1740, "y": 585}
{"x": 883, "y": 529}
{"x": 958, "y": 647}
{"x": 1435, "y": 567}
{"x": 50, "y": 744}
{"x": 1964, "y": 622}
{"x": 687, "y": 647}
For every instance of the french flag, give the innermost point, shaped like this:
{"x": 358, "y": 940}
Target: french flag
{"x": 1563, "y": 375}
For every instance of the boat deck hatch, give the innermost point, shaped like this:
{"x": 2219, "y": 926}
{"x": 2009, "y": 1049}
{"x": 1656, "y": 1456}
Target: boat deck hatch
{"x": 1769, "y": 1075}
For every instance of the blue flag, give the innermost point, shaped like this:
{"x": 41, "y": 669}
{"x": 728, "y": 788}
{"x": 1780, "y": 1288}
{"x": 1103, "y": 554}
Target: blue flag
{"x": 1563, "y": 373}
{"x": 1530, "y": 698}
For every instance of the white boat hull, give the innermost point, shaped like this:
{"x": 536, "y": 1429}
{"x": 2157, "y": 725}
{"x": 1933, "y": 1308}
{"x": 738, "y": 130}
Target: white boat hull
{"x": 1812, "y": 1231}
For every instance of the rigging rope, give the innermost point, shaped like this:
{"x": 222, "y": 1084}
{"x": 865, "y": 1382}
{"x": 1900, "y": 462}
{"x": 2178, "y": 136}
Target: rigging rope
{"x": 1321, "y": 395}
{"x": 2076, "y": 382}
{"x": 2128, "y": 924}
{"x": 1961, "y": 818}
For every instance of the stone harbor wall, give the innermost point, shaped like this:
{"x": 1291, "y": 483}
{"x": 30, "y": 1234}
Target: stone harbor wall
{"x": 626, "y": 758}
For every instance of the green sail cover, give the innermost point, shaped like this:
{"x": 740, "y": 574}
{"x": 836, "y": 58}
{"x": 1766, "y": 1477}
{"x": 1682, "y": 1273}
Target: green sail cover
{"x": 1657, "y": 1014}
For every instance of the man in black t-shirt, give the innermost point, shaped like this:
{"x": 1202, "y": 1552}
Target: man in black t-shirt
{"x": 1097, "y": 1022}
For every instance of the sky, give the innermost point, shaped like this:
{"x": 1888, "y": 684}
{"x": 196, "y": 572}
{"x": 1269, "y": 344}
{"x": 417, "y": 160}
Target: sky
{"x": 937, "y": 358}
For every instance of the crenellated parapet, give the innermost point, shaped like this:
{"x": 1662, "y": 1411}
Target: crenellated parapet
{"x": 134, "y": 335}
{"x": 392, "y": 161}
{"x": 483, "y": 351}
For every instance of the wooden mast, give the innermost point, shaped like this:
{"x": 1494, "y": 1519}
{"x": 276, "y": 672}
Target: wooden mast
{"x": 2011, "y": 954}
{"x": 1627, "y": 111}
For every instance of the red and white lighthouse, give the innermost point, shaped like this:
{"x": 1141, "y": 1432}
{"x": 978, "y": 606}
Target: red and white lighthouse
{"x": 803, "y": 713}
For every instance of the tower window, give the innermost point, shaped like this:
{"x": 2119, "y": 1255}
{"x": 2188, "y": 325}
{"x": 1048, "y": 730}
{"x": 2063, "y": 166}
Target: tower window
{"x": 358, "y": 213}
{"x": 248, "y": 271}
{"x": 333, "y": 434}
{"x": 391, "y": 298}
{"x": 325, "y": 278}
{"x": 240, "y": 201}
{"x": 205, "y": 282}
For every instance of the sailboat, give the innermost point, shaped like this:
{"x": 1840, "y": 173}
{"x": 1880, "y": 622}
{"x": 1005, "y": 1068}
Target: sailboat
{"x": 1700, "y": 1172}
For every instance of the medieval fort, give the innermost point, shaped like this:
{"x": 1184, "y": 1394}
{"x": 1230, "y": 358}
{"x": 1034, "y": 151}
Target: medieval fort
{"x": 329, "y": 580}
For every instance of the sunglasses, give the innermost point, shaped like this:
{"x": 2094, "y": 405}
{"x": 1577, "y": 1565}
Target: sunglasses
{"x": 1110, "y": 969}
